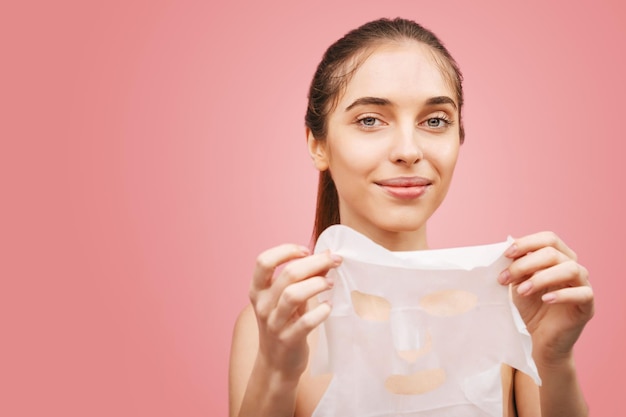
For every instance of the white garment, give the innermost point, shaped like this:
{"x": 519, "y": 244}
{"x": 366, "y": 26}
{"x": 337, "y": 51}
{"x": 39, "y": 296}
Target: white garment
{"x": 419, "y": 333}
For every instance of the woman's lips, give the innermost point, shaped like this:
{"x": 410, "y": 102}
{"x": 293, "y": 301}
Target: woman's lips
{"x": 405, "y": 188}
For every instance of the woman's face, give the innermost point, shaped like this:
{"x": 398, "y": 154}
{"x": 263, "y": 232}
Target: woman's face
{"x": 392, "y": 144}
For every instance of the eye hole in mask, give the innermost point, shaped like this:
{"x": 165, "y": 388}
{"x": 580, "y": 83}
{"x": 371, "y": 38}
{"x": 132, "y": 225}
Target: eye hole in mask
{"x": 370, "y": 307}
{"x": 445, "y": 303}
{"x": 448, "y": 303}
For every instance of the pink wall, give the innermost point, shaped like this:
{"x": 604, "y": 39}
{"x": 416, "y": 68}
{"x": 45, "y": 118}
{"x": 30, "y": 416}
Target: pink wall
{"x": 150, "y": 149}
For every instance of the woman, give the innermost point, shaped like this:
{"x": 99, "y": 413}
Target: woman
{"x": 384, "y": 129}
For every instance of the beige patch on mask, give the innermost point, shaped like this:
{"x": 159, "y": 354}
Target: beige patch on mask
{"x": 447, "y": 303}
{"x": 418, "y": 383}
{"x": 412, "y": 355}
{"x": 370, "y": 307}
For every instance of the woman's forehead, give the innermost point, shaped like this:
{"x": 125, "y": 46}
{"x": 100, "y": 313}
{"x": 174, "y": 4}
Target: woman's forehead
{"x": 399, "y": 69}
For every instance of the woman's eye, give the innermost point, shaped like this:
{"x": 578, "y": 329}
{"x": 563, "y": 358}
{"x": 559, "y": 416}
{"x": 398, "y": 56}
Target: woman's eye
{"x": 437, "y": 122}
{"x": 369, "y": 121}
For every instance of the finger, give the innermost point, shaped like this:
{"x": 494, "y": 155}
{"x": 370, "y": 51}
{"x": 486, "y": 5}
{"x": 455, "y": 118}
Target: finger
{"x": 294, "y": 298}
{"x": 565, "y": 274}
{"x": 536, "y": 241}
{"x": 269, "y": 260}
{"x": 297, "y": 270}
{"x": 526, "y": 266}
{"x": 301, "y": 269}
{"x": 582, "y": 296}
{"x": 309, "y": 321}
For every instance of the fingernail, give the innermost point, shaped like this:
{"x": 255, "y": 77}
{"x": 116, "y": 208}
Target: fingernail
{"x": 330, "y": 280}
{"x": 336, "y": 259}
{"x": 549, "y": 298}
{"x": 504, "y": 277}
{"x": 511, "y": 251}
{"x": 524, "y": 287}
{"x": 305, "y": 250}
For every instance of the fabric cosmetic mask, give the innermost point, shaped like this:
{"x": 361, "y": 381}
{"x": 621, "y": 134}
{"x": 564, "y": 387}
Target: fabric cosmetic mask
{"x": 421, "y": 333}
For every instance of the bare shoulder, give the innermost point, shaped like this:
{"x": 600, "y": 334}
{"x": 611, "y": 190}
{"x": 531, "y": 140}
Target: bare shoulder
{"x": 243, "y": 351}
{"x": 246, "y": 324}
{"x": 526, "y": 396}
{"x": 245, "y": 340}
{"x": 520, "y": 394}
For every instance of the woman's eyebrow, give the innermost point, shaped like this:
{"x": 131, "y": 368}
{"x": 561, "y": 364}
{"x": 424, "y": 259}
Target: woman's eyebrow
{"x": 441, "y": 100}
{"x": 378, "y": 101}
{"x": 369, "y": 100}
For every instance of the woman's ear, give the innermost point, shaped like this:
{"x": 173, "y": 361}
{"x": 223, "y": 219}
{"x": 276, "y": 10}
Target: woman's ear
{"x": 317, "y": 150}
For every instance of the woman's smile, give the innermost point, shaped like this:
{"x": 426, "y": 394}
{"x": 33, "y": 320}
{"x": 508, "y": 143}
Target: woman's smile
{"x": 405, "y": 188}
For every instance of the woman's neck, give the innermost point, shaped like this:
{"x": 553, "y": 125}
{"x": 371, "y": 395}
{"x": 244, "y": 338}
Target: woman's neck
{"x": 395, "y": 240}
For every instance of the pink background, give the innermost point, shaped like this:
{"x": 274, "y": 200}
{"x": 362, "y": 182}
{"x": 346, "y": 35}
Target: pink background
{"x": 150, "y": 149}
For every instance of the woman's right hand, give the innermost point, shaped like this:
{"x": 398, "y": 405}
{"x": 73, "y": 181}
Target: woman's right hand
{"x": 285, "y": 279}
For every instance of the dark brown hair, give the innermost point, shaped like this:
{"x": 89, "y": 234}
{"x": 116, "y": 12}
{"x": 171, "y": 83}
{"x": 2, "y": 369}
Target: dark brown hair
{"x": 333, "y": 73}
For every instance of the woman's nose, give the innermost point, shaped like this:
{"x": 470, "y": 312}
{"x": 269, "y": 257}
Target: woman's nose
{"x": 406, "y": 147}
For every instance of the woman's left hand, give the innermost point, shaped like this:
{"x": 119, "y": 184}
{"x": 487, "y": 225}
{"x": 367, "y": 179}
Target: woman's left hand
{"x": 552, "y": 293}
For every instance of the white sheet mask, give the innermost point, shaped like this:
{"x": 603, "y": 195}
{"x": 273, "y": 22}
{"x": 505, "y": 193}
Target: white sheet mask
{"x": 417, "y": 333}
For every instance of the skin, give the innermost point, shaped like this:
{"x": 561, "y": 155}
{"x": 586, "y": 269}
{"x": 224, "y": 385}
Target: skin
{"x": 397, "y": 118}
